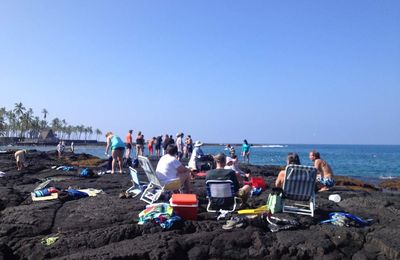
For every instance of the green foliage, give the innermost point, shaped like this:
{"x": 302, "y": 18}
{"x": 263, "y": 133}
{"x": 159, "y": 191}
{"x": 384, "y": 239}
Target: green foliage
{"x": 21, "y": 122}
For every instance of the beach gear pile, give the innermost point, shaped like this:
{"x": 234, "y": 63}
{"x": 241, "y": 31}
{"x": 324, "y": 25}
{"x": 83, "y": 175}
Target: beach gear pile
{"x": 159, "y": 213}
{"x": 346, "y": 219}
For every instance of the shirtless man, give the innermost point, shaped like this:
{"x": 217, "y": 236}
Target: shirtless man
{"x": 325, "y": 173}
{"x": 128, "y": 144}
{"x": 20, "y": 159}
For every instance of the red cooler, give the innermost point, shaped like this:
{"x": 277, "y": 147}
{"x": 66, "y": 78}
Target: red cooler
{"x": 185, "y": 205}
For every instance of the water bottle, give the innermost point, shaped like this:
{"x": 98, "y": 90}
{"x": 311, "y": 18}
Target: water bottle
{"x": 335, "y": 197}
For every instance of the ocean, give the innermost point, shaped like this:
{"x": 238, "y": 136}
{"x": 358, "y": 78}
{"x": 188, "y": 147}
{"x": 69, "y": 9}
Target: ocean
{"x": 366, "y": 162}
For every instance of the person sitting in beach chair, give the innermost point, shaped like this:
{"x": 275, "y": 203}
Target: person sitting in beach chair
{"x": 169, "y": 168}
{"x": 292, "y": 158}
{"x": 242, "y": 191}
{"x": 325, "y": 173}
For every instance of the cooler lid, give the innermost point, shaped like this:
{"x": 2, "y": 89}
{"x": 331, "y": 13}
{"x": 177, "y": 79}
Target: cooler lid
{"x": 184, "y": 199}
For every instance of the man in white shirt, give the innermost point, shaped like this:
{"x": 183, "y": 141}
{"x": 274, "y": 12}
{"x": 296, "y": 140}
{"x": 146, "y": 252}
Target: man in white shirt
{"x": 179, "y": 144}
{"x": 169, "y": 168}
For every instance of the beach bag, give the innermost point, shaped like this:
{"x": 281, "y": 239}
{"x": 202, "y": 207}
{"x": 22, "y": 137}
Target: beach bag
{"x": 109, "y": 163}
{"x": 127, "y": 162}
{"x": 135, "y": 163}
{"x": 274, "y": 203}
{"x": 258, "y": 182}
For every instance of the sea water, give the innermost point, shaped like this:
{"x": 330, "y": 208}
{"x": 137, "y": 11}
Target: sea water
{"x": 367, "y": 162}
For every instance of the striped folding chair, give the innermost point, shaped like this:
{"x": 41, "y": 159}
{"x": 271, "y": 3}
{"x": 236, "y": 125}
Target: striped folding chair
{"x": 299, "y": 190}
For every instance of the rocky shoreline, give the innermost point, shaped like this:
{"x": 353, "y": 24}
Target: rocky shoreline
{"x": 105, "y": 226}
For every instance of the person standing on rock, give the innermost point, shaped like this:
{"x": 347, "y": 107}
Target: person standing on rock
{"x": 60, "y": 148}
{"x": 128, "y": 144}
{"x": 20, "y": 157}
{"x": 117, "y": 147}
{"x": 158, "y": 145}
{"x": 179, "y": 145}
{"x": 139, "y": 144}
{"x": 325, "y": 173}
{"x": 246, "y": 151}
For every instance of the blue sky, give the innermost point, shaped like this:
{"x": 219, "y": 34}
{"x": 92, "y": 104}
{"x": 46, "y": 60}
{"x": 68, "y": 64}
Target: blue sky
{"x": 322, "y": 72}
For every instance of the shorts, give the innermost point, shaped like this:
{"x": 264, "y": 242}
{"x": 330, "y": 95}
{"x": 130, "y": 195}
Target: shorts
{"x": 328, "y": 182}
{"x": 128, "y": 146}
{"x": 158, "y": 146}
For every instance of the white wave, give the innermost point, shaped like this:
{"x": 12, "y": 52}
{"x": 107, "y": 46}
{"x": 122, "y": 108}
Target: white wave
{"x": 271, "y": 146}
{"x": 387, "y": 177}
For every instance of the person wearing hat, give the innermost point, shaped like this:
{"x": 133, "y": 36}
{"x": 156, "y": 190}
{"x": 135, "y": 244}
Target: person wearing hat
{"x": 20, "y": 159}
{"x": 220, "y": 173}
{"x": 196, "y": 155}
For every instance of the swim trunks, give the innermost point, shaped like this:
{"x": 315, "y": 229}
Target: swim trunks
{"x": 328, "y": 182}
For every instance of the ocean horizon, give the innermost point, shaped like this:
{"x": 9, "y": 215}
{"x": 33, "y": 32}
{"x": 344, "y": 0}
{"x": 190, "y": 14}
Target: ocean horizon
{"x": 367, "y": 162}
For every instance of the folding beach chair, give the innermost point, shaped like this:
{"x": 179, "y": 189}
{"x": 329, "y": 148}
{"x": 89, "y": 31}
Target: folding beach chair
{"x": 221, "y": 196}
{"x": 155, "y": 188}
{"x": 299, "y": 186}
{"x": 137, "y": 187}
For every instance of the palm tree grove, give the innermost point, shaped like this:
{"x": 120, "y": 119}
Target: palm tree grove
{"x": 20, "y": 124}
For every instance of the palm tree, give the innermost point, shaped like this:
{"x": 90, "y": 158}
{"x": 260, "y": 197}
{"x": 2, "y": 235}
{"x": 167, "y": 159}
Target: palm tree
{"x": 45, "y": 112}
{"x": 3, "y": 125}
{"x": 19, "y": 109}
{"x": 81, "y": 129}
{"x": 56, "y": 125}
{"x": 12, "y": 123}
{"x": 98, "y": 132}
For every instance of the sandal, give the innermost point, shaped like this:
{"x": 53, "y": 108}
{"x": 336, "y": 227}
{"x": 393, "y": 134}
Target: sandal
{"x": 233, "y": 222}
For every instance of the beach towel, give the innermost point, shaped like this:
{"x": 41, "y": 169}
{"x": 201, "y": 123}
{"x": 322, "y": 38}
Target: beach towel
{"x": 159, "y": 213}
{"x": 258, "y": 182}
{"x": 91, "y": 192}
{"x": 65, "y": 168}
{"x": 76, "y": 194}
{"x": 52, "y": 196}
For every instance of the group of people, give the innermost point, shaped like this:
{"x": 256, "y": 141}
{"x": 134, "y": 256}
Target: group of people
{"x": 169, "y": 168}
{"x": 61, "y": 148}
{"x": 324, "y": 175}
{"x": 116, "y": 146}
{"x": 245, "y": 151}
{"x": 159, "y": 144}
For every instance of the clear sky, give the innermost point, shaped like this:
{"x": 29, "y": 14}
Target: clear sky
{"x": 316, "y": 72}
